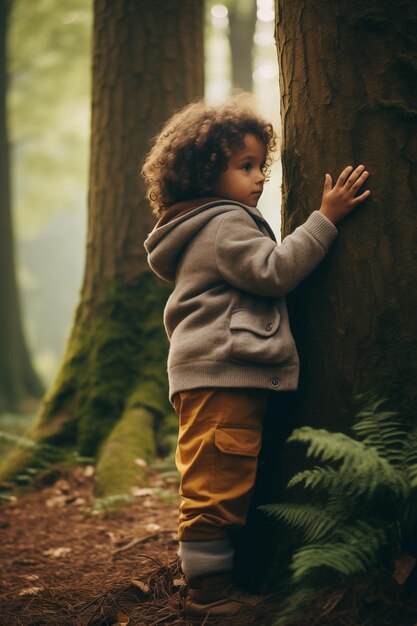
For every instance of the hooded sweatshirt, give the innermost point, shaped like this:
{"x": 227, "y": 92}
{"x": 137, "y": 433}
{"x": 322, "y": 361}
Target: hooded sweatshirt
{"x": 227, "y": 318}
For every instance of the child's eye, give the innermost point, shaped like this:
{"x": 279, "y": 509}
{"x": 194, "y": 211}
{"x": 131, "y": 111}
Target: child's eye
{"x": 246, "y": 167}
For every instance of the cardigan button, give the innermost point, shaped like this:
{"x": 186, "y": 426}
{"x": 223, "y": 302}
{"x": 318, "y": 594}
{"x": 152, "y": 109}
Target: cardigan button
{"x": 275, "y": 382}
{"x": 268, "y": 327}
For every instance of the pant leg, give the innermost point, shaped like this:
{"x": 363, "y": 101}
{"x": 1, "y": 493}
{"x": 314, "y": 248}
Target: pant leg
{"x": 218, "y": 445}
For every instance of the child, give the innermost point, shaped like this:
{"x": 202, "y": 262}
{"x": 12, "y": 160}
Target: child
{"x": 230, "y": 340}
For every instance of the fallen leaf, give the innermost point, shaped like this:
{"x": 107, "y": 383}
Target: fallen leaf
{"x": 143, "y": 587}
{"x": 59, "y": 501}
{"x": 152, "y": 528}
{"x": 141, "y": 462}
{"x": 79, "y": 501}
{"x": 89, "y": 471}
{"x": 30, "y": 591}
{"x": 57, "y": 552}
{"x": 62, "y": 486}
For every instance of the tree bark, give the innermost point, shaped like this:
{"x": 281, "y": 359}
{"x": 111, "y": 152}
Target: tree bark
{"x": 147, "y": 62}
{"x": 18, "y": 380}
{"x": 348, "y": 79}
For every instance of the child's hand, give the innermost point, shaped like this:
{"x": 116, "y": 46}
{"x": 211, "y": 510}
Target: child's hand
{"x": 338, "y": 202}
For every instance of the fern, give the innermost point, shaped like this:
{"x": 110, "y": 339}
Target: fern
{"x": 361, "y": 469}
{"x": 352, "y": 550}
{"x": 363, "y": 497}
{"x": 325, "y": 478}
{"x": 383, "y": 431}
{"x": 313, "y": 522}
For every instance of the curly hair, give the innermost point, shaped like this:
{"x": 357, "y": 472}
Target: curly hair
{"x": 195, "y": 145}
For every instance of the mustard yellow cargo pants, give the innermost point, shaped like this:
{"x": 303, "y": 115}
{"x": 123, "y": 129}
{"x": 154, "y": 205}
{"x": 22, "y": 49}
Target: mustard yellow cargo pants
{"x": 219, "y": 440}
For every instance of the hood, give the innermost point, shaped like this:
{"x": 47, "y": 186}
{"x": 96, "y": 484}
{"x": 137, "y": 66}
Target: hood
{"x": 178, "y": 226}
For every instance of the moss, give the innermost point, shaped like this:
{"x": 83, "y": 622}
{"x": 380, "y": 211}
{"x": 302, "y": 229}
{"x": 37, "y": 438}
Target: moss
{"x": 132, "y": 438}
{"x": 115, "y": 358}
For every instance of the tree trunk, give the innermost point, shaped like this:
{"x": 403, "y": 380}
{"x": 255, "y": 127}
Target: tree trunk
{"x": 242, "y": 21}
{"x": 348, "y": 79}
{"x": 349, "y": 96}
{"x": 147, "y": 62}
{"x": 18, "y": 380}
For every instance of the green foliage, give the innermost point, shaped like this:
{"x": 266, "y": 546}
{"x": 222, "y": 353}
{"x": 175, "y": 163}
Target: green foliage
{"x": 361, "y": 501}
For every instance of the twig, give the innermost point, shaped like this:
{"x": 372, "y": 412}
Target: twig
{"x": 134, "y": 542}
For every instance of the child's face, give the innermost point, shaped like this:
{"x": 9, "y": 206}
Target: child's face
{"x": 243, "y": 180}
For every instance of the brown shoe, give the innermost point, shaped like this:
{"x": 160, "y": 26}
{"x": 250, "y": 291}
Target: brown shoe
{"x": 214, "y": 595}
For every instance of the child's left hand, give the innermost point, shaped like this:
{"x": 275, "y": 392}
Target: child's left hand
{"x": 339, "y": 201}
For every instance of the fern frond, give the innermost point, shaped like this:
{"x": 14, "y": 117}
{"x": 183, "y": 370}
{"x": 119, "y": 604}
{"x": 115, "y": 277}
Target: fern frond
{"x": 352, "y": 550}
{"x": 412, "y": 475}
{"x": 314, "y": 522}
{"x": 323, "y": 477}
{"x": 410, "y": 454}
{"x": 360, "y": 466}
{"x": 383, "y": 431}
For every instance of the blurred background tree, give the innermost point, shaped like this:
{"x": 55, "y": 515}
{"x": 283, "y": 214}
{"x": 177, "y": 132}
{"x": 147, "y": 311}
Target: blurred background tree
{"x": 18, "y": 380}
{"x": 112, "y": 385}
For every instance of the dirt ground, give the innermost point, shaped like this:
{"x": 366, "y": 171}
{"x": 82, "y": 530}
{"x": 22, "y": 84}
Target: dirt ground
{"x": 67, "y": 562}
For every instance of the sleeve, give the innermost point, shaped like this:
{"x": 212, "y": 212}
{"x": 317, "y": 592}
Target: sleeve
{"x": 252, "y": 262}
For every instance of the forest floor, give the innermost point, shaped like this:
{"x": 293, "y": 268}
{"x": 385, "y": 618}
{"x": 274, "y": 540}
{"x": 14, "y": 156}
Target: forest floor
{"x": 70, "y": 560}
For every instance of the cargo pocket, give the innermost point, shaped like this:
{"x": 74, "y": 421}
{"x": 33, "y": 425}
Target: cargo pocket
{"x": 237, "y": 449}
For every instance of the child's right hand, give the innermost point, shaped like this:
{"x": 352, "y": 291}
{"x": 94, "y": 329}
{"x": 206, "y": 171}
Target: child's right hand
{"x": 339, "y": 201}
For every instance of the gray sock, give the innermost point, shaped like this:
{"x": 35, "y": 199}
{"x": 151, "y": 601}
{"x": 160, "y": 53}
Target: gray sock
{"x": 199, "y": 558}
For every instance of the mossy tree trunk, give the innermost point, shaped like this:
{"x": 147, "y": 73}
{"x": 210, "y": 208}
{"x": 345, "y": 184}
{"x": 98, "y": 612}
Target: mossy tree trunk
{"x": 18, "y": 380}
{"x": 349, "y": 96}
{"x": 111, "y": 391}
